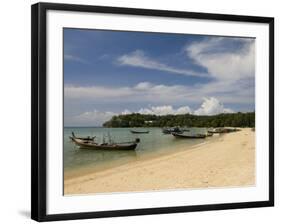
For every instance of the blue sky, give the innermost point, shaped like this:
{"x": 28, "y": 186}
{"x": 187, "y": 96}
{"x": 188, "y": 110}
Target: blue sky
{"x": 113, "y": 72}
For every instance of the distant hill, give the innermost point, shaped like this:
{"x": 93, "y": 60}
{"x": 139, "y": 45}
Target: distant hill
{"x": 183, "y": 120}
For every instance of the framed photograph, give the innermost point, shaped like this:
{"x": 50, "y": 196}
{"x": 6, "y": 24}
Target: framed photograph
{"x": 139, "y": 111}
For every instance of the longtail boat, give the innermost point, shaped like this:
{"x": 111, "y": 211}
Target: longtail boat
{"x": 179, "y": 135}
{"x": 139, "y": 132}
{"x": 223, "y": 130}
{"x": 91, "y": 144}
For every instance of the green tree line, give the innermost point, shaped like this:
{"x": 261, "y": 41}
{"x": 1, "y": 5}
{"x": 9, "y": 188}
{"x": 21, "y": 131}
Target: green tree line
{"x": 182, "y": 120}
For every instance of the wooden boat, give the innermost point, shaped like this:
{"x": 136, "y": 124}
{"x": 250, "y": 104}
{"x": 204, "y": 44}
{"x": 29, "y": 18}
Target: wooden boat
{"x": 91, "y": 144}
{"x": 223, "y": 130}
{"x": 179, "y": 135}
{"x": 139, "y": 132}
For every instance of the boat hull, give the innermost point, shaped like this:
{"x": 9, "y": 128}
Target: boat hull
{"x": 188, "y": 136}
{"x": 93, "y": 145}
{"x": 139, "y": 132}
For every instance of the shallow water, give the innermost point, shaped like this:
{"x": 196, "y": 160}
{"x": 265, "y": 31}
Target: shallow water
{"x": 153, "y": 144}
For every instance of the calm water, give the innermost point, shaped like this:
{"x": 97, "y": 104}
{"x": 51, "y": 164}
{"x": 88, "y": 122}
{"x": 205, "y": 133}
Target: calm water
{"x": 152, "y": 144}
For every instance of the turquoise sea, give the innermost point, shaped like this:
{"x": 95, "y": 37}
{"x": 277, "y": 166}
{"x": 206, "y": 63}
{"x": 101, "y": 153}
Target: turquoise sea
{"x": 153, "y": 144}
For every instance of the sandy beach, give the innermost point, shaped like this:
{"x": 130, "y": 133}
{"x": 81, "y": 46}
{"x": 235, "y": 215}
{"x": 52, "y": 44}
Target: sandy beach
{"x": 224, "y": 161}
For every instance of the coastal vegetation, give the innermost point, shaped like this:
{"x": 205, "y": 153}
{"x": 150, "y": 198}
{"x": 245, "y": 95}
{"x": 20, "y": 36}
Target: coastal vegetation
{"x": 182, "y": 120}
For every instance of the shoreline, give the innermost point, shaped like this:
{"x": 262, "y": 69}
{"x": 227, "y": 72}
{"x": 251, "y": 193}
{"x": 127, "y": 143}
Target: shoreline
{"x": 226, "y": 161}
{"x": 84, "y": 171}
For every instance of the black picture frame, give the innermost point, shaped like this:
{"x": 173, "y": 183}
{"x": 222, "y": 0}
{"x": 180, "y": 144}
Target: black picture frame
{"x": 39, "y": 107}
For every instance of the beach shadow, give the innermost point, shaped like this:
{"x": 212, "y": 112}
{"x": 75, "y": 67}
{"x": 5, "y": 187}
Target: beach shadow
{"x": 24, "y": 213}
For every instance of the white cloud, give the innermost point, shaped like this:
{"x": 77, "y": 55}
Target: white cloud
{"x": 164, "y": 94}
{"x": 70, "y": 57}
{"x": 95, "y": 92}
{"x": 224, "y": 62}
{"x": 212, "y": 106}
{"x": 218, "y": 55}
{"x": 183, "y": 110}
{"x": 138, "y": 58}
{"x": 164, "y": 110}
{"x": 143, "y": 91}
{"x": 126, "y": 111}
{"x": 143, "y": 86}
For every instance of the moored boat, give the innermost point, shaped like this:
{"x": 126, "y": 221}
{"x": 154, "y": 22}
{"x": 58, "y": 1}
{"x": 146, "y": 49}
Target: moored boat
{"x": 179, "y": 135}
{"x": 222, "y": 130}
{"x": 91, "y": 144}
{"x": 139, "y": 132}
